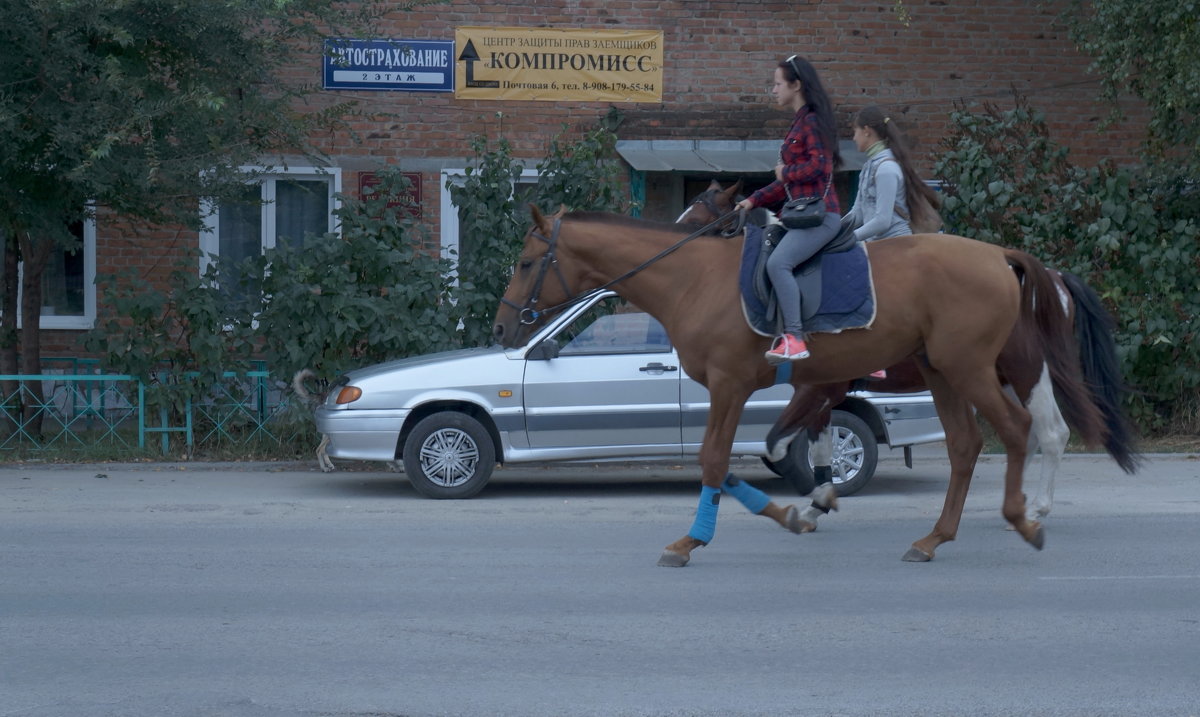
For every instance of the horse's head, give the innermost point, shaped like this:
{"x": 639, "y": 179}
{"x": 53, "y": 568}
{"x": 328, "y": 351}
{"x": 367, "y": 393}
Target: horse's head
{"x": 714, "y": 203}
{"x": 537, "y": 283}
{"x": 710, "y": 205}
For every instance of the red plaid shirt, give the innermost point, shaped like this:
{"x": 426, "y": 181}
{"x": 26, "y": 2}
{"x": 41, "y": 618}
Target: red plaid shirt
{"x": 807, "y": 166}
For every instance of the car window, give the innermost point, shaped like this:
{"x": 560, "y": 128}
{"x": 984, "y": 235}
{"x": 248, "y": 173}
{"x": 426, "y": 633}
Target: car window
{"x": 613, "y": 326}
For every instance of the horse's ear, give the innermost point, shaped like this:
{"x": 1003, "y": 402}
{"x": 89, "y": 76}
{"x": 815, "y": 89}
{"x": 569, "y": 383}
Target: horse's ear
{"x": 733, "y": 191}
{"x": 714, "y": 185}
{"x": 562, "y": 209}
{"x": 539, "y": 220}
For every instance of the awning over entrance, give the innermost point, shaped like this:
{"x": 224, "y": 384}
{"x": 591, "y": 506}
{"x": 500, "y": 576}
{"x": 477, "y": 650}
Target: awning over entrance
{"x": 716, "y": 155}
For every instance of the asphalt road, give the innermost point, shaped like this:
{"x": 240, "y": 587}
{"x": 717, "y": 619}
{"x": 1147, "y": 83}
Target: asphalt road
{"x": 263, "y": 590}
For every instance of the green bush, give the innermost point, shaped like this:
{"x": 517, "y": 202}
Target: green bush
{"x": 578, "y": 172}
{"x": 492, "y": 218}
{"x": 331, "y": 303}
{"x": 160, "y": 337}
{"x": 1123, "y": 230}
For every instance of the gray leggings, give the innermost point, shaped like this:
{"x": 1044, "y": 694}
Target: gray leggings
{"x": 796, "y": 247}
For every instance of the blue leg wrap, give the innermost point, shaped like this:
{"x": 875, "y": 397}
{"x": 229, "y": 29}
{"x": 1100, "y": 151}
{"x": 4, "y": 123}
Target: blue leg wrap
{"x": 753, "y": 498}
{"x": 705, "y": 525}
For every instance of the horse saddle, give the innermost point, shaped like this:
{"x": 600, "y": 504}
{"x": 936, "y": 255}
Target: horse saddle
{"x": 836, "y": 292}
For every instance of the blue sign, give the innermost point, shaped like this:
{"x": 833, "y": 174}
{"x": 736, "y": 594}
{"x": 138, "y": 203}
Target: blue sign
{"x": 406, "y": 65}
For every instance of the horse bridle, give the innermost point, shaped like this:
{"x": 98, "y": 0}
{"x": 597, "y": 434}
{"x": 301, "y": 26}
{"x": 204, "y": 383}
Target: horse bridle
{"x": 528, "y": 314}
{"x": 707, "y": 200}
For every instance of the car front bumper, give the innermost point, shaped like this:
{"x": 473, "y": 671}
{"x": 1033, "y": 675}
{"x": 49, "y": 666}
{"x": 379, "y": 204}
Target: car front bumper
{"x": 364, "y": 435}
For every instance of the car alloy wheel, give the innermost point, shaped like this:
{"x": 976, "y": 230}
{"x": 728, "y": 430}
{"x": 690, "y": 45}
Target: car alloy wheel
{"x": 449, "y": 455}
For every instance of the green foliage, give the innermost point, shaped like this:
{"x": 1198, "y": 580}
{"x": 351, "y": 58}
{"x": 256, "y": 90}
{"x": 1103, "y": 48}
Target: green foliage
{"x": 130, "y": 103}
{"x": 333, "y": 303}
{"x": 1009, "y": 184}
{"x": 144, "y": 106}
{"x": 159, "y": 337}
{"x": 328, "y": 303}
{"x": 582, "y": 174}
{"x": 491, "y": 221}
{"x": 1152, "y": 49}
{"x": 578, "y": 173}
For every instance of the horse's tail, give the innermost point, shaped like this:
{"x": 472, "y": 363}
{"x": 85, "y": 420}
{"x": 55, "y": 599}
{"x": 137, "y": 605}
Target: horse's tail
{"x": 1102, "y": 370}
{"x": 1042, "y": 308}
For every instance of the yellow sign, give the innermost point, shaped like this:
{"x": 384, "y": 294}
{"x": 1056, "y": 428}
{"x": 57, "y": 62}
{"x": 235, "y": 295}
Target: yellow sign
{"x": 510, "y": 63}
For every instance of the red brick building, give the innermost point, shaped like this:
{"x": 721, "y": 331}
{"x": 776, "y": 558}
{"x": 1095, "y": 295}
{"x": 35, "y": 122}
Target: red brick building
{"x": 706, "y": 115}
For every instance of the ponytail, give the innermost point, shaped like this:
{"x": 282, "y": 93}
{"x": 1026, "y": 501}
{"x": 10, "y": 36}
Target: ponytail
{"x": 919, "y": 196}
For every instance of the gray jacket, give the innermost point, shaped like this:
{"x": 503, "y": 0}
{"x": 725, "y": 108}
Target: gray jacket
{"x": 880, "y": 195}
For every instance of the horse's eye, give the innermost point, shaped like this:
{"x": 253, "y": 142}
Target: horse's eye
{"x": 525, "y": 263}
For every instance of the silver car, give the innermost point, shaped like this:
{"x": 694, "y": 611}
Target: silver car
{"x": 600, "y": 381}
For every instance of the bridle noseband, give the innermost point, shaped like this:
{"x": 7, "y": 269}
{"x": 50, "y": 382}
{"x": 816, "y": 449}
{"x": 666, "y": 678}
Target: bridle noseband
{"x": 528, "y": 314}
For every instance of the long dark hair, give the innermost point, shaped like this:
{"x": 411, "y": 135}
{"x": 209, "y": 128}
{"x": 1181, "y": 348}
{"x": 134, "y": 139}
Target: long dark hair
{"x": 797, "y": 68}
{"x": 915, "y": 188}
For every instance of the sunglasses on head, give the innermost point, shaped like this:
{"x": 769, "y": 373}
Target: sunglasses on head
{"x": 795, "y": 68}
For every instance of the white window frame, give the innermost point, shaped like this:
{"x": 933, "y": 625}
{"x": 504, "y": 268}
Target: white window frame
{"x": 210, "y": 240}
{"x": 88, "y": 319}
{"x": 449, "y": 212}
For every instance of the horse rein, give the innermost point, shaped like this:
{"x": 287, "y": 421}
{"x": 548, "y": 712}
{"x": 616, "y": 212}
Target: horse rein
{"x": 528, "y": 314}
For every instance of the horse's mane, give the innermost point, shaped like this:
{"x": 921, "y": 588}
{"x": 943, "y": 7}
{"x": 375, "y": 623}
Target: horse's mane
{"x": 621, "y": 220}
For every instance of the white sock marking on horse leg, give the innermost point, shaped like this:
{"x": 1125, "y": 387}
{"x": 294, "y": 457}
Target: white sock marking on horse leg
{"x": 781, "y": 447}
{"x": 1051, "y": 432}
{"x": 821, "y": 449}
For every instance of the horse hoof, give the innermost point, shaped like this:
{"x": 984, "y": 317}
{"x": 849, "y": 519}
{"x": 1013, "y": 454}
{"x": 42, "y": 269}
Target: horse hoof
{"x": 1038, "y": 538}
{"x": 915, "y": 555}
{"x": 825, "y": 495}
{"x": 672, "y": 559}
{"x": 796, "y": 524}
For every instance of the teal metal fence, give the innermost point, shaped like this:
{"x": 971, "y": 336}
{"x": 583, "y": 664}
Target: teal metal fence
{"x": 79, "y": 407}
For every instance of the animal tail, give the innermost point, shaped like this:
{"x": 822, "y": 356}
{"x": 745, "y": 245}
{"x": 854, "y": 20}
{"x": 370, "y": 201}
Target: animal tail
{"x": 1042, "y": 308}
{"x": 298, "y": 380}
{"x": 1102, "y": 371}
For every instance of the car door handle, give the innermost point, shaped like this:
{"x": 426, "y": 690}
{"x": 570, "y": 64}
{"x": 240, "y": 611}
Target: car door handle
{"x": 656, "y": 366}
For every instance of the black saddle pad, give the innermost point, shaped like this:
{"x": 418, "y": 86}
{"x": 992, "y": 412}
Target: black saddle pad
{"x": 836, "y": 289}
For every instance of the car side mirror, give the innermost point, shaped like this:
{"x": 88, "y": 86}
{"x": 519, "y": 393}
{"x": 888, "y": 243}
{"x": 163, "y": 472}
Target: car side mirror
{"x": 544, "y": 351}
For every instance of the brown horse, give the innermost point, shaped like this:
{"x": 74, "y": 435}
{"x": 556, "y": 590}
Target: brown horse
{"x": 811, "y": 406}
{"x": 951, "y": 301}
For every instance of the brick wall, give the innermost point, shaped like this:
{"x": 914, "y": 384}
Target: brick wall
{"x": 718, "y": 59}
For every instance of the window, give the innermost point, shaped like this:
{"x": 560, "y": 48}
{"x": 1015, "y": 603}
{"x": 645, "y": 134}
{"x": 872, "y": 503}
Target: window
{"x": 275, "y": 209}
{"x": 452, "y": 239}
{"x": 613, "y": 326}
{"x": 69, "y": 282}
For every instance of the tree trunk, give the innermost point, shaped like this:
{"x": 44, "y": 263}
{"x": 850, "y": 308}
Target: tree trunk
{"x": 34, "y": 258}
{"x": 9, "y": 276}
